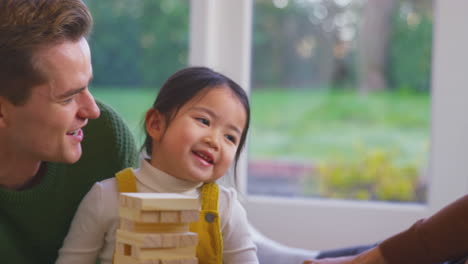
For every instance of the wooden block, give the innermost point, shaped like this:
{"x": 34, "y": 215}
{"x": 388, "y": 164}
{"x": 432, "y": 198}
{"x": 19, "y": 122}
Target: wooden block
{"x": 169, "y": 241}
{"x": 155, "y": 253}
{"x": 152, "y": 253}
{"x": 165, "y": 253}
{"x": 159, "y": 201}
{"x": 123, "y": 249}
{"x": 182, "y": 216}
{"x": 188, "y": 239}
{"x": 169, "y": 216}
{"x": 150, "y": 240}
{"x": 139, "y": 227}
{"x": 180, "y": 261}
{"x": 187, "y": 216}
{"x": 138, "y": 239}
{"x": 119, "y": 259}
{"x": 139, "y": 216}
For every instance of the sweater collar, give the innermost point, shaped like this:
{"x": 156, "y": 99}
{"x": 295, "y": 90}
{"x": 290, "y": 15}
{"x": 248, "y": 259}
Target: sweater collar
{"x": 159, "y": 181}
{"x": 51, "y": 171}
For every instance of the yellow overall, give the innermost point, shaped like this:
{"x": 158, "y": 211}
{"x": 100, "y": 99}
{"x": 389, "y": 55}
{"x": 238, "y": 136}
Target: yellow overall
{"x": 208, "y": 227}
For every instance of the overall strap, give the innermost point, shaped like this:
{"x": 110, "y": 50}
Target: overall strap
{"x": 208, "y": 227}
{"x": 209, "y": 196}
{"x": 126, "y": 180}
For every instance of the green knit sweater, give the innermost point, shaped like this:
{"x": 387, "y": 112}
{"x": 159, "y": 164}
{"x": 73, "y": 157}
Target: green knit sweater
{"x": 34, "y": 222}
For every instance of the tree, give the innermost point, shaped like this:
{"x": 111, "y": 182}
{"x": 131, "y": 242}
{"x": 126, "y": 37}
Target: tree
{"x": 138, "y": 43}
{"x": 373, "y": 44}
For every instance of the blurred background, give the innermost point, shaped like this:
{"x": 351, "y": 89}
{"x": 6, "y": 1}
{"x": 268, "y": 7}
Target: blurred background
{"x": 358, "y": 107}
{"x": 340, "y": 89}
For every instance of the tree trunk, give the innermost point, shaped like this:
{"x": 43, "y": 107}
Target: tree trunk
{"x": 373, "y": 43}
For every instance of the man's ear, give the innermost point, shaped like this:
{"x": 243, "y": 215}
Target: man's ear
{"x": 155, "y": 124}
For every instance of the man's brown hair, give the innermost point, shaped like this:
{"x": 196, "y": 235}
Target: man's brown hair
{"x": 26, "y": 26}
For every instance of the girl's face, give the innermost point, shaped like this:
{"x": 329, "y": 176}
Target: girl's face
{"x": 201, "y": 140}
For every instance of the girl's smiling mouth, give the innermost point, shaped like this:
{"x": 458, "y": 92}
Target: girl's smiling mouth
{"x": 204, "y": 156}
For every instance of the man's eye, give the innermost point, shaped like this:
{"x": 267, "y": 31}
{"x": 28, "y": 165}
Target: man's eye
{"x": 231, "y": 138}
{"x": 67, "y": 101}
{"x": 203, "y": 120}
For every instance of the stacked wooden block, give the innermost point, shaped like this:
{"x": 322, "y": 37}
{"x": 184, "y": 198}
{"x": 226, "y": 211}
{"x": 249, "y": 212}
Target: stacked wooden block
{"x": 154, "y": 229}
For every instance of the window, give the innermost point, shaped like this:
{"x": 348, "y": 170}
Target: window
{"x": 323, "y": 223}
{"x": 340, "y": 99}
{"x": 136, "y": 46}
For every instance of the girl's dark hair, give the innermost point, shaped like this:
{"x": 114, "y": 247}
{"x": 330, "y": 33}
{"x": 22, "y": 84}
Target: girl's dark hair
{"x": 184, "y": 85}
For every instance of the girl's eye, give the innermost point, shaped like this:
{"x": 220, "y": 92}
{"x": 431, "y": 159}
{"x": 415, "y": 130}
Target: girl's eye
{"x": 203, "y": 121}
{"x": 231, "y": 138}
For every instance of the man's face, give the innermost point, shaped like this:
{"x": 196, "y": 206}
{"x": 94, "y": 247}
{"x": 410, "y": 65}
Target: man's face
{"x": 48, "y": 127}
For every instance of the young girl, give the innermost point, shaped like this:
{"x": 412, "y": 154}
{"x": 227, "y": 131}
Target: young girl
{"x": 195, "y": 129}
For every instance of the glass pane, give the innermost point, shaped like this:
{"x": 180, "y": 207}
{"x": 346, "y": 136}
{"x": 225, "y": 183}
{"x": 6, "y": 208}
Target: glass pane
{"x": 340, "y": 99}
{"x": 136, "y": 46}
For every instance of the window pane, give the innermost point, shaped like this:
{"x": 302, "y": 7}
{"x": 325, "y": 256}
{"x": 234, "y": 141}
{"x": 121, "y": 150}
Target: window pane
{"x": 136, "y": 46}
{"x": 340, "y": 99}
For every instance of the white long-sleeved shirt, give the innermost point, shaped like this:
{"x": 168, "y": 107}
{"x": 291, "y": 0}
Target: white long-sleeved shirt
{"x": 92, "y": 232}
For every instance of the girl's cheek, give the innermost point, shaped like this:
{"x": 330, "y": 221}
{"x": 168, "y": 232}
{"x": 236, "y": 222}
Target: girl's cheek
{"x": 231, "y": 155}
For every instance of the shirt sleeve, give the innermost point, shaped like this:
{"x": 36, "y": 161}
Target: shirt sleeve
{"x": 86, "y": 235}
{"x": 442, "y": 237}
{"x": 237, "y": 241}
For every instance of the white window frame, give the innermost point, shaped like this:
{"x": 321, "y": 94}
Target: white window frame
{"x": 221, "y": 38}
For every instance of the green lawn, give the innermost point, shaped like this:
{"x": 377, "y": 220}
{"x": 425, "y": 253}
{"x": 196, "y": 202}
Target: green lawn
{"x": 363, "y": 147}
{"x": 312, "y": 125}
{"x": 130, "y": 103}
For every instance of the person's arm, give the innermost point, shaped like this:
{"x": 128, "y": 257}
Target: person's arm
{"x": 237, "y": 240}
{"x": 86, "y": 235}
{"x": 442, "y": 237}
{"x": 371, "y": 256}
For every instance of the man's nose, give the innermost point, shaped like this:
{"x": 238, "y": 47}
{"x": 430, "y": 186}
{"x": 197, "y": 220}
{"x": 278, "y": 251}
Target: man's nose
{"x": 88, "y": 107}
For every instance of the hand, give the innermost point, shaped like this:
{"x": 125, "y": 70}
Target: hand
{"x": 341, "y": 260}
{"x": 372, "y": 256}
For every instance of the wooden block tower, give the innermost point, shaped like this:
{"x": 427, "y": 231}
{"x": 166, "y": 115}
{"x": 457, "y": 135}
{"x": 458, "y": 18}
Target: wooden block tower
{"x": 154, "y": 229}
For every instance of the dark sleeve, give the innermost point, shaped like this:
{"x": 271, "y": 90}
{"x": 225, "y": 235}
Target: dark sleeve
{"x": 442, "y": 237}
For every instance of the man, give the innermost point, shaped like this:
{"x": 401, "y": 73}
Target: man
{"x": 49, "y": 154}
